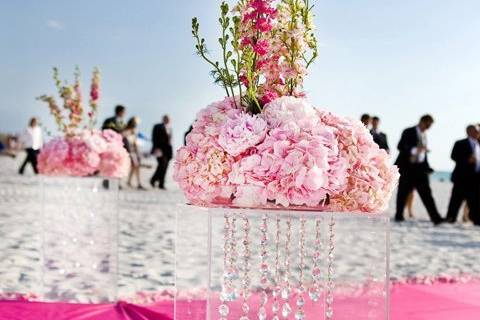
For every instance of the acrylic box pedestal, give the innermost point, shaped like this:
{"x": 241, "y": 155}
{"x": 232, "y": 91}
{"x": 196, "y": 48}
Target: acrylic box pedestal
{"x": 258, "y": 264}
{"x": 80, "y": 239}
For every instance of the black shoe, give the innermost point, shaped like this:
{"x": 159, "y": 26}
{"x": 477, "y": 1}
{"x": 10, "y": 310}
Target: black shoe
{"x": 399, "y": 219}
{"x": 439, "y": 221}
{"x": 152, "y": 183}
{"x": 450, "y": 220}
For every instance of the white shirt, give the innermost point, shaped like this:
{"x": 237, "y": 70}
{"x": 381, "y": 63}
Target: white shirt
{"x": 422, "y": 138}
{"x": 32, "y": 138}
{"x": 476, "y": 152}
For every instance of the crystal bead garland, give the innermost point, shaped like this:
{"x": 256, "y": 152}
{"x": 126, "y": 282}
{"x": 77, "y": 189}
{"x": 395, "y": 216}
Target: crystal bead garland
{"x": 262, "y": 311}
{"x": 223, "y": 309}
{"x": 286, "y": 289}
{"x": 277, "y": 288}
{"x": 300, "y": 313}
{"x": 330, "y": 280}
{"x": 246, "y": 269}
{"x": 314, "y": 291}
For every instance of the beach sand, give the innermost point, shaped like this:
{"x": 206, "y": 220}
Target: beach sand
{"x": 147, "y": 237}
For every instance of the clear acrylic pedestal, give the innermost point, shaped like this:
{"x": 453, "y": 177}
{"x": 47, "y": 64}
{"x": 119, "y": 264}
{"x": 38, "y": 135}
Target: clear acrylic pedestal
{"x": 79, "y": 239}
{"x": 277, "y": 264}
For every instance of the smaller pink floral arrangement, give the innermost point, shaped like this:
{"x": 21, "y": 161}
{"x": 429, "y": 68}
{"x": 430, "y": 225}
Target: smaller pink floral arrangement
{"x": 81, "y": 150}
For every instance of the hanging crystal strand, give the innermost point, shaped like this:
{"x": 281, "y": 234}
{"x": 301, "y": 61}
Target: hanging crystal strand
{"x": 246, "y": 269}
{"x": 286, "y": 289}
{"x": 231, "y": 272}
{"x": 262, "y": 311}
{"x": 314, "y": 291}
{"x": 277, "y": 288}
{"x": 330, "y": 271}
{"x": 223, "y": 309}
{"x": 300, "y": 314}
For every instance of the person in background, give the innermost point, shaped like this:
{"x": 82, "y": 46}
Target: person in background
{"x": 414, "y": 169}
{"x": 365, "y": 119}
{"x": 162, "y": 150}
{"x": 33, "y": 142}
{"x": 379, "y": 137}
{"x": 117, "y": 122}
{"x": 466, "y": 176}
{"x": 409, "y": 204}
{"x": 130, "y": 142}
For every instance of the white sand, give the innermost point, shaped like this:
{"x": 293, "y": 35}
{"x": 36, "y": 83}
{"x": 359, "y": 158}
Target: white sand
{"x": 147, "y": 223}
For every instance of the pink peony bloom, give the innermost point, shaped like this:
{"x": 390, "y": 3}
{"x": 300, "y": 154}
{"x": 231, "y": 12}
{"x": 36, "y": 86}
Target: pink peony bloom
{"x": 52, "y": 157}
{"x": 293, "y": 167}
{"x": 82, "y": 161}
{"x": 112, "y": 137}
{"x": 241, "y": 133}
{"x": 371, "y": 178}
{"x": 203, "y": 174}
{"x": 290, "y": 110}
{"x": 114, "y": 163}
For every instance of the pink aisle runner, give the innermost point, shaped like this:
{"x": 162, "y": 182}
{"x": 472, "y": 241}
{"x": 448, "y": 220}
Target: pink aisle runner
{"x": 440, "y": 301}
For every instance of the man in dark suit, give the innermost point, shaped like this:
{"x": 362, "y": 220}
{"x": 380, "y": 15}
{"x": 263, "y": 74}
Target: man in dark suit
{"x": 466, "y": 176}
{"x": 414, "y": 169}
{"x": 117, "y": 122}
{"x": 162, "y": 150}
{"x": 379, "y": 137}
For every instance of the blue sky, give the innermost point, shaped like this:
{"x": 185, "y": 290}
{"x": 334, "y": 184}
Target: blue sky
{"x": 395, "y": 59}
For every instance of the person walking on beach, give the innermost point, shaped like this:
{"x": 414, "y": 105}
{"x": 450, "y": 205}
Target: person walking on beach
{"x": 414, "y": 169}
{"x": 117, "y": 122}
{"x": 379, "y": 137}
{"x": 466, "y": 176}
{"x": 33, "y": 141}
{"x": 131, "y": 144}
{"x": 162, "y": 150}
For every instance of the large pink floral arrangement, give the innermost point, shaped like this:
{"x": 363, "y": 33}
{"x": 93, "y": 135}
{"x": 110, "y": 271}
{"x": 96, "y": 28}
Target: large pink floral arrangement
{"x": 291, "y": 154}
{"x": 265, "y": 144}
{"x": 81, "y": 150}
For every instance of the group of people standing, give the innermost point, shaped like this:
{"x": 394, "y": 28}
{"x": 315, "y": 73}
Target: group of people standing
{"x": 415, "y": 170}
{"x": 161, "y": 140}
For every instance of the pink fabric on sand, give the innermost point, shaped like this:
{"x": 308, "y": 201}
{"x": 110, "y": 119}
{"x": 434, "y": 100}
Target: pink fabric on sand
{"x": 440, "y": 301}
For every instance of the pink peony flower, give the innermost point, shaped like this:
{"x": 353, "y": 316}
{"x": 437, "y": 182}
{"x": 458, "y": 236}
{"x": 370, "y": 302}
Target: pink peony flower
{"x": 112, "y": 137}
{"x": 293, "y": 167}
{"x": 290, "y": 110}
{"x": 203, "y": 174}
{"x": 82, "y": 161}
{"x": 371, "y": 178}
{"x": 52, "y": 157}
{"x": 94, "y": 140}
{"x": 241, "y": 133}
{"x": 114, "y": 163}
